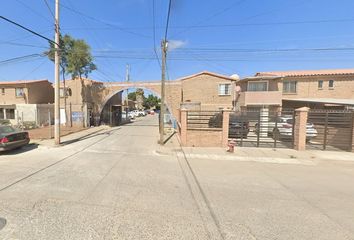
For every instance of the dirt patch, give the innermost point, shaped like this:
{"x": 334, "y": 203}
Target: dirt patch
{"x": 48, "y": 132}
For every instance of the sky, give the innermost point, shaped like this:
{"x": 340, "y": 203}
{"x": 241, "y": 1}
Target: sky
{"x": 223, "y": 36}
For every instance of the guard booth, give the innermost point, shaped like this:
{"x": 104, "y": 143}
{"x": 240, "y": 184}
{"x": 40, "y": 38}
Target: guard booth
{"x": 116, "y": 115}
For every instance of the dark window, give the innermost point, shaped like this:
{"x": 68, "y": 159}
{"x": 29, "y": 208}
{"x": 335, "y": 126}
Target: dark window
{"x": 1, "y": 113}
{"x": 20, "y": 92}
{"x": 10, "y": 113}
{"x": 331, "y": 84}
{"x": 289, "y": 86}
{"x": 257, "y": 86}
{"x": 2, "y": 91}
{"x": 320, "y": 84}
{"x": 224, "y": 89}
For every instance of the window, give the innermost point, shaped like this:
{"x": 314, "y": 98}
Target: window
{"x": 257, "y": 86}
{"x": 61, "y": 91}
{"x": 2, "y": 116}
{"x": 289, "y": 86}
{"x": 68, "y": 92}
{"x": 20, "y": 92}
{"x": 2, "y": 91}
{"x": 224, "y": 89}
{"x": 320, "y": 84}
{"x": 331, "y": 84}
{"x": 10, "y": 113}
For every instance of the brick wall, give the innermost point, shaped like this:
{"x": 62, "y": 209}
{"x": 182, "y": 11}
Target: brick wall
{"x": 40, "y": 93}
{"x": 307, "y": 87}
{"x": 204, "y": 88}
{"x": 204, "y": 138}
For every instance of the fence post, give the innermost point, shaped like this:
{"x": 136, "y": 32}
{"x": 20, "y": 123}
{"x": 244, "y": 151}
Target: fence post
{"x": 301, "y": 115}
{"x": 352, "y": 132}
{"x": 225, "y": 127}
{"x": 183, "y": 127}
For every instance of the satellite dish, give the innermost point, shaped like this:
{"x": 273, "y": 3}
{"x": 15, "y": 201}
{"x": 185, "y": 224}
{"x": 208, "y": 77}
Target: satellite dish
{"x": 235, "y": 76}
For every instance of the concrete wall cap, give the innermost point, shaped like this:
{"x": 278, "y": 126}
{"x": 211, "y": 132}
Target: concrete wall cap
{"x": 302, "y": 109}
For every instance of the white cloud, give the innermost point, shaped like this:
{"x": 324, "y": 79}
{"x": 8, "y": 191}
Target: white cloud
{"x": 175, "y": 44}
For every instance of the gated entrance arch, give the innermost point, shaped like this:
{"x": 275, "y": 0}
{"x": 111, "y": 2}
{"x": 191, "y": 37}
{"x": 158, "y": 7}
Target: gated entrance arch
{"x": 172, "y": 96}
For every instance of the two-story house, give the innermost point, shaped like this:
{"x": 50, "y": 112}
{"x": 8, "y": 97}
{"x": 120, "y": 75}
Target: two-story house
{"x": 317, "y": 89}
{"x": 82, "y": 99}
{"x": 26, "y": 101}
{"x": 207, "y": 91}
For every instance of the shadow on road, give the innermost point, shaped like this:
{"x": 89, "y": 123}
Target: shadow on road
{"x": 23, "y": 149}
{"x": 88, "y": 136}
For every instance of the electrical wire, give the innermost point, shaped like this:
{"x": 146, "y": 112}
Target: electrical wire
{"x": 103, "y": 22}
{"x": 168, "y": 19}
{"x": 49, "y": 9}
{"x": 154, "y": 33}
{"x": 22, "y": 58}
{"x": 27, "y": 29}
{"x": 33, "y": 10}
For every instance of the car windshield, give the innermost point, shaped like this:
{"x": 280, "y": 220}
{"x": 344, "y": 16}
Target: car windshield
{"x": 6, "y": 129}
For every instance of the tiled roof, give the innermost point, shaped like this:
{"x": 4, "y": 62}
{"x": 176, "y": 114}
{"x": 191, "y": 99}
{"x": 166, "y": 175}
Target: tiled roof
{"x": 22, "y": 82}
{"x": 308, "y": 72}
{"x": 206, "y": 73}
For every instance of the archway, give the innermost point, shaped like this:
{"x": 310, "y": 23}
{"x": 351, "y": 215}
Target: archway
{"x": 112, "y": 106}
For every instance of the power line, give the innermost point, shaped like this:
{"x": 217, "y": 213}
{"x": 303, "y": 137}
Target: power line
{"x": 168, "y": 19}
{"x": 32, "y": 10}
{"x": 103, "y": 22}
{"x": 224, "y": 25}
{"x": 154, "y": 33}
{"x": 50, "y": 10}
{"x": 215, "y": 14}
{"x": 23, "y": 45}
{"x": 34, "y": 70}
{"x": 21, "y": 58}
{"x": 27, "y": 29}
{"x": 95, "y": 38}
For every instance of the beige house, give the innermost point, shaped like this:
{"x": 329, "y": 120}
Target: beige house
{"x": 321, "y": 89}
{"x": 83, "y": 101}
{"x": 26, "y": 101}
{"x": 207, "y": 91}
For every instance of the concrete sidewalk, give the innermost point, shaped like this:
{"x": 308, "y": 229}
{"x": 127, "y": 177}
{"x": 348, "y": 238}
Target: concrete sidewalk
{"x": 253, "y": 154}
{"x": 74, "y": 137}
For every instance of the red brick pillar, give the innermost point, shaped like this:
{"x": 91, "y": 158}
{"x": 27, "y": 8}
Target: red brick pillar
{"x": 301, "y": 115}
{"x": 225, "y": 127}
{"x": 183, "y": 126}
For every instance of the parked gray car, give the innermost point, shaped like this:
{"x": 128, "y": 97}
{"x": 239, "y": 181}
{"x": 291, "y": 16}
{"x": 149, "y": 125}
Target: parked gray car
{"x": 10, "y": 138}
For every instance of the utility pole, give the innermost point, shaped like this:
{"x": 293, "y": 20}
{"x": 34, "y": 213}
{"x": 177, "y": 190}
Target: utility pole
{"x": 127, "y": 79}
{"x": 57, "y": 78}
{"x": 163, "y": 79}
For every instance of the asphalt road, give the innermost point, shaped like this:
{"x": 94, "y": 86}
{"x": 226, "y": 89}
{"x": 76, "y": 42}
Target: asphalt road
{"x": 119, "y": 184}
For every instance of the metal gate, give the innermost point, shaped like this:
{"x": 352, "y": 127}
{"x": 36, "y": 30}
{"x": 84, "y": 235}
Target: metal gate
{"x": 262, "y": 128}
{"x": 334, "y": 130}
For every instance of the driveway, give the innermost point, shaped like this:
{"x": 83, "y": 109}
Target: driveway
{"x": 120, "y": 184}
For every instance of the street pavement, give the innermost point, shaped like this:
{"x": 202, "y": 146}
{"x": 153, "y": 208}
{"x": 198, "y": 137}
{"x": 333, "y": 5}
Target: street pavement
{"x": 118, "y": 183}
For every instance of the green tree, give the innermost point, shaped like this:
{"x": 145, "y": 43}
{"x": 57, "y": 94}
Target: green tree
{"x": 132, "y": 96}
{"x": 75, "y": 56}
{"x": 152, "y": 101}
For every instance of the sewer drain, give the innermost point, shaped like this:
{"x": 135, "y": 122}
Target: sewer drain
{"x": 2, "y": 223}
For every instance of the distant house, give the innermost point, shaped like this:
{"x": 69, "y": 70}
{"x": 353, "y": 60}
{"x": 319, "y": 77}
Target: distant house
{"x": 319, "y": 89}
{"x": 26, "y": 101}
